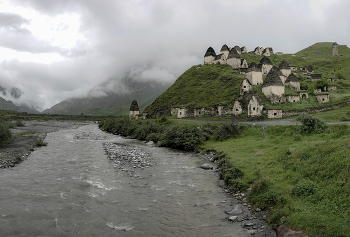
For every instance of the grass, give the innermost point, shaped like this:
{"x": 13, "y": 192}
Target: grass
{"x": 39, "y": 143}
{"x": 289, "y": 160}
{"x": 26, "y": 133}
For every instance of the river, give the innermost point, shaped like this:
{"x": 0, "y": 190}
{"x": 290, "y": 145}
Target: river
{"x": 71, "y": 188}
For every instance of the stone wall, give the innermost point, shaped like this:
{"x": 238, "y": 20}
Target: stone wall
{"x": 314, "y": 110}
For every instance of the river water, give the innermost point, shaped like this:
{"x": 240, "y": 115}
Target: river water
{"x": 71, "y": 188}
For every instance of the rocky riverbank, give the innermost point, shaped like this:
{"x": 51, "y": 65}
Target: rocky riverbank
{"x": 26, "y": 137}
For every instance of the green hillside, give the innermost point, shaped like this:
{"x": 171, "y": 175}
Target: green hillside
{"x": 208, "y": 85}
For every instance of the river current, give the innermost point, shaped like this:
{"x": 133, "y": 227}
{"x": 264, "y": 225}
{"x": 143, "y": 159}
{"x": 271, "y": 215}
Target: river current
{"x": 71, "y": 188}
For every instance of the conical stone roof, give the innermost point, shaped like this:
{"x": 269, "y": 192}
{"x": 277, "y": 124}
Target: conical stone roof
{"x": 210, "y": 52}
{"x": 292, "y": 78}
{"x": 272, "y": 79}
{"x": 253, "y": 68}
{"x": 233, "y": 54}
{"x": 134, "y": 106}
{"x": 284, "y": 65}
{"x": 265, "y": 60}
{"x": 224, "y": 48}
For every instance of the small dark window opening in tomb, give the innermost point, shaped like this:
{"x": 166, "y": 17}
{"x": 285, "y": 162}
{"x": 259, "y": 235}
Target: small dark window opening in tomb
{"x": 199, "y": 112}
{"x": 217, "y": 112}
{"x": 236, "y": 109}
{"x": 253, "y": 108}
{"x": 293, "y": 100}
{"x": 180, "y": 113}
{"x": 279, "y": 100}
{"x": 322, "y": 98}
{"x": 244, "y": 87}
{"x": 275, "y": 114}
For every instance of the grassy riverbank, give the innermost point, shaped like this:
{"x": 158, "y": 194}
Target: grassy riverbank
{"x": 303, "y": 179}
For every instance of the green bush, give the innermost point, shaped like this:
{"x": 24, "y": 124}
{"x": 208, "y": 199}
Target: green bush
{"x": 303, "y": 86}
{"x": 304, "y": 188}
{"x": 344, "y": 118}
{"x": 263, "y": 197}
{"x": 321, "y": 84}
{"x": 144, "y": 128}
{"x": 186, "y": 138}
{"x": 155, "y": 137}
{"x": 226, "y": 130}
{"x": 40, "y": 143}
{"x": 19, "y": 123}
{"x": 310, "y": 124}
{"x": 6, "y": 136}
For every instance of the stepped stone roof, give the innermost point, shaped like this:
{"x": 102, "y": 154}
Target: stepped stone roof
{"x": 253, "y": 68}
{"x": 272, "y": 79}
{"x": 218, "y": 57}
{"x": 134, "y": 106}
{"x": 292, "y": 78}
{"x": 249, "y": 96}
{"x": 233, "y": 54}
{"x": 224, "y": 48}
{"x": 309, "y": 68}
{"x": 265, "y": 60}
{"x": 271, "y": 50}
{"x": 274, "y": 68}
{"x": 237, "y": 48}
{"x": 284, "y": 65}
{"x": 210, "y": 52}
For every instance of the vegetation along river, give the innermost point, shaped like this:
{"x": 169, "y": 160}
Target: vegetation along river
{"x": 72, "y": 188}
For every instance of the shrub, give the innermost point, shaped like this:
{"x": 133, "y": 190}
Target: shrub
{"x": 321, "y": 84}
{"x": 5, "y": 134}
{"x": 226, "y": 130}
{"x": 19, "y": 123}
{"x": 262, "y": 196}
{"x": 154, "y": 137}
{"x": 186, "y": 138}
{"x": 310, "y": 124}
{"x": 147, "y": 127}
{"x": 40, "y": 143}
{"x": 340, "y": 75}
{"x": 303, "y": 86}
{"x": 344, "y": 118}
{"x": 297, "y": 138}
{"x": 304, "y": 188}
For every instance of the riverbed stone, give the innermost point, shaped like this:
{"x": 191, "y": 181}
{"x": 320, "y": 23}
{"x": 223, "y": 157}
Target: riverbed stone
{"x": 237, "y": 209}
{"x": 206, "y": 166}
{"x": 233, "y": 218}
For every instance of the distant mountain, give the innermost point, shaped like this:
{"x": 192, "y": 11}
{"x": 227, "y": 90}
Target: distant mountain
{"x": 111, "y": 98}
{"x": 9, "y": 105}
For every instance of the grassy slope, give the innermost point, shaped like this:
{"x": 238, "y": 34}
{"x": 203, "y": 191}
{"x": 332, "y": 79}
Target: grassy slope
{"x": 286, "y": 158}
{"x": 216, "y": 84}
{"x": 201, "y": 86}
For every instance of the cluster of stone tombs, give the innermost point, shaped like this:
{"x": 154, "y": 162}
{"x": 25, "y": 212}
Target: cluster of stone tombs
{"x": 273, "y": 87}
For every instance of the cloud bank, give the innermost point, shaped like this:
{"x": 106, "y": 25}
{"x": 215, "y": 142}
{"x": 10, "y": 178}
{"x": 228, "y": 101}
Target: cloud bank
{"x": 146, "y": 39}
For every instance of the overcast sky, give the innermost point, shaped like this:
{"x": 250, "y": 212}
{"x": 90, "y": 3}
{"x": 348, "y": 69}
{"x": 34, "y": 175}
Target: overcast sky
{"x": 55, "y": 49}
